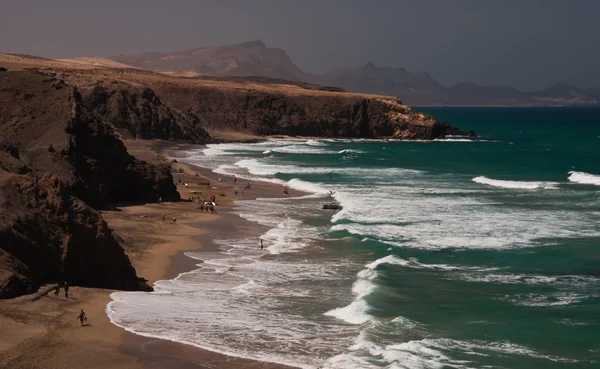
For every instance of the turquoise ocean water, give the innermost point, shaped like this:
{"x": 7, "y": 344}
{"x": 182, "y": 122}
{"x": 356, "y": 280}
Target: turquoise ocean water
{"x": 447, "y": 254}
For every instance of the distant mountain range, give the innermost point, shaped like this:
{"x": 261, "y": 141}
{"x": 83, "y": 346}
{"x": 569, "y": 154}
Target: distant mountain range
{"x": 254, "y": 58}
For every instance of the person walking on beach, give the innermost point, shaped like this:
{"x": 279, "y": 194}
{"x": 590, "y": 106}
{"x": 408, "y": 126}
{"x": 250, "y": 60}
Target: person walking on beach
{"x": 261, "y": 244}
{"x": 234, "y": 179}
{"x": 163, "y": 218}
{"x": 82, "y": 317}
{"x": 56, "y": 290}
{"x": 66, "y": 290}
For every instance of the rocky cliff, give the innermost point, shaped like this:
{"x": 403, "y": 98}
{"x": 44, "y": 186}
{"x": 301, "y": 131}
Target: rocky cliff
{"x": 303, "y": 113}
{"x": 59, "y": 161}
{"x": 136, "y": 112}
{"x": 144, "y": 104}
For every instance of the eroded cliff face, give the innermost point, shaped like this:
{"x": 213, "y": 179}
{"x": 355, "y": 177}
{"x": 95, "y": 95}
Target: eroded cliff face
{"x": 136, "y": 112}
{"x": 49, "y": 235}
{"x": 408, "y": 124}
{"x": 58, "y": 162}
{"x": 142, "y": 104}
{"x": 303, "y": 114}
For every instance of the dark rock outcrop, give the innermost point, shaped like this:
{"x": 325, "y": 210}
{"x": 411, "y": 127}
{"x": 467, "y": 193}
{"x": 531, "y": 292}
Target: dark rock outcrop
{"x": 139, "y": 113}
{"x": 49, "y": 235}
{"x": 58, "y": 162}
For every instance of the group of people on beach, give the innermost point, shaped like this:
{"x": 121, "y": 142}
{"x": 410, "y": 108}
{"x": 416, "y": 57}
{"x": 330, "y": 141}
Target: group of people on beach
{"x": 208, "y": 207}
{"x": 57, "y": 290}
{"x": 81, "y": 316}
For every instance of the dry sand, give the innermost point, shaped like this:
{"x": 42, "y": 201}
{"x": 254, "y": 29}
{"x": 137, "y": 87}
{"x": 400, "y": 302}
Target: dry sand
{"x": 41, "y": 331}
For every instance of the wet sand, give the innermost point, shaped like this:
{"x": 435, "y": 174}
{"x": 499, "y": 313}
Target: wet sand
{"x": 158, "y": 353}
{"x": 41, "y": 331}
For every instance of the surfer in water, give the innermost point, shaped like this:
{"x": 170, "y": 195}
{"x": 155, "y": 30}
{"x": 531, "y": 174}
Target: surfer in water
{"x": 331, "y": 193}
{"x": 261, "y": 244}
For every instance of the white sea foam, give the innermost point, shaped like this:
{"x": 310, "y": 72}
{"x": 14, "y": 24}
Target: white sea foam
{"x": 415, "y": 264}
{"x": 456, "y": 140}
{"x": 222, "y": 306}
{"x": 429, "y": 353}
{"x": 519, "y": 185}
{"x": 230, "y": 170}
{"x": 553, "y": 299}
{"x": 406, "y": 323}
{"x": 289, "y": 236}
{"x": 258, "y": 167}
{"x": 584, "y": 178}
{"x": 300, "y": 149}
{"x": 315, "y": 143}
{"x": 571, "y": 322}
{"x": 503, "y": 347}
{"x": 235, "y": 149}
{"x": 357, "y": 311}
{"x": 421, "y": 217}
{"x": 569, "y": 281}
{"x": 409, "y": 216}
{"x": 310, "y": 187}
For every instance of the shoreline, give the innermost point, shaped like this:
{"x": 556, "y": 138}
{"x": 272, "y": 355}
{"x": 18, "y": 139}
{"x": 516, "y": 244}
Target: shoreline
{"x": 173, "y": 354}
{"x": 42, "y": 328}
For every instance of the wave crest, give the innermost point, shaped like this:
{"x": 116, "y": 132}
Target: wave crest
{"x": 584, "y": 178}
{"x": 519, "y": 185}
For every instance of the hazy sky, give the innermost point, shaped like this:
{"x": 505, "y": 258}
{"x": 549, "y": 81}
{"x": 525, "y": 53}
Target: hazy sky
{"x": 527, "y": 44}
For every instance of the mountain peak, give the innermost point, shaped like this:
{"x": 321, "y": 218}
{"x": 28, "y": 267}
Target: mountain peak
{"x": 250, "y": 58}
{"x": 369, "y": 65}
{"x": 256, "y": 43}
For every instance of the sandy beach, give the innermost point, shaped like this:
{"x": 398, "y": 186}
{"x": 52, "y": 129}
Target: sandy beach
{"x": 41, "y": 330}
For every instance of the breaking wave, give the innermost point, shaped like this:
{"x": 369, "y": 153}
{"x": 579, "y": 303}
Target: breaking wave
{"x": 519, "y": 185}
{"x": 584, "y": 178}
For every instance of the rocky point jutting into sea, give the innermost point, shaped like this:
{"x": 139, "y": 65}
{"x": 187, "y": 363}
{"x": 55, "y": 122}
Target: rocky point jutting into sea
{"x": 61, "y": 157}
